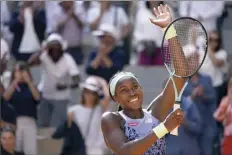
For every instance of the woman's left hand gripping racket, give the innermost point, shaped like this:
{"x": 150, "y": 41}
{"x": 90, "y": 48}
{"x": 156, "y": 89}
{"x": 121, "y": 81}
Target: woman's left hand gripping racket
{"x": 184, "y": 54}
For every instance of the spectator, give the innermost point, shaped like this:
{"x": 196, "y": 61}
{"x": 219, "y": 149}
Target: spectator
{"x": 91, "y": 109}
{"x": 215, "y": 65}
{"x": 51, "y": 8}
{"x": 69, "y": 24}
{"x": 107, "y": 59}
{"x": 74, "y": 143}
{"x": 8, "y": 142}
{"x": 28, "y": 27}
{"x": 5, "y": 18}
{"x": 147, "y": 37}
{"x": 224, "y": 114}
{"x": 5, "y": 56}
{"x": 196, "y": 9}
{"x": 108, "y": 13}
{"x": 188, "y": 134}
{"x": 88, "y": 41}
{"x": 200, "y": 90}
{"x": 59, "y": 69}
{"x": 24, "y": 97}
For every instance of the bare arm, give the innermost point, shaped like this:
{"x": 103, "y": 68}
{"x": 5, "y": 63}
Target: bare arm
{"x": 78, "y": 21}
{"x": 34, "y": 60}
{"x": 34, "y": 91}
{"x": 216, "y": 62}
{"x": 96, "y": 22}
{"x": 164, "y": 102}
{"x": 116, "y": 140}
{"x": 10, "y": 91}
{"x": 105, "y": 101}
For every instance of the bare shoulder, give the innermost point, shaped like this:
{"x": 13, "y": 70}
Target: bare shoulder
{"x": 111, "y": 124}
{"x": 110, "y": 118}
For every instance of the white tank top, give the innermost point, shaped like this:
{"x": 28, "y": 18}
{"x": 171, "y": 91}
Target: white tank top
{"x": 138, "y": 128}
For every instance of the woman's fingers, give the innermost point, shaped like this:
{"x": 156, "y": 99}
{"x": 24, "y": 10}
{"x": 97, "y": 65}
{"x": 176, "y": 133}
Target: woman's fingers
{"x": 156, "y": 13}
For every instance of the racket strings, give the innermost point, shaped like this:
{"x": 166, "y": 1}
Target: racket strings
{"x": 193, "y": 40}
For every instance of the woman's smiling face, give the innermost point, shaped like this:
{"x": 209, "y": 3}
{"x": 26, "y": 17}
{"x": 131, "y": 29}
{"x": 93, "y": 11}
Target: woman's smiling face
{"x": 129, "y": 94}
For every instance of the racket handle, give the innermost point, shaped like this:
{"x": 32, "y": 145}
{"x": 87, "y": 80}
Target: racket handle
{"x": 175, "y": 131}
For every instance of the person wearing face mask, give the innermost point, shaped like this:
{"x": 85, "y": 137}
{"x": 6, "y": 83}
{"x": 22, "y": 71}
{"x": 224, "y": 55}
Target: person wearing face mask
{"x": 23, "y": 95}
{"x": 60, "y": 73}
{"x": 8, "y": 142}
{"x": 107, "y": 59}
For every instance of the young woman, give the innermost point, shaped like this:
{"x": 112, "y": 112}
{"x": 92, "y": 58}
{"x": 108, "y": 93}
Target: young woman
{"x": 215, "y": 65}
{"x": 224, "y": 114}
{"x": 87, "y": 115}
{"x": 23, "y": 95}
{"x": 136, "y": 131}
{"x": 8, "y": 142}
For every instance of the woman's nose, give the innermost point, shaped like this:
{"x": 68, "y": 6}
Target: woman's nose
{"x": 132, "y": 92}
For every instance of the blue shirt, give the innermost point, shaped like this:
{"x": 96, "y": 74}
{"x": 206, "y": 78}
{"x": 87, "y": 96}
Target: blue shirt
{"x": 186, "y": 143}
{"x": 23, "y": 101}
{"x": 8, "y": 113}
{"x": 117, "y": 57}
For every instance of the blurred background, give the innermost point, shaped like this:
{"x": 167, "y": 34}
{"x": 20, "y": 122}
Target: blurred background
{"x": 58, "y": 56}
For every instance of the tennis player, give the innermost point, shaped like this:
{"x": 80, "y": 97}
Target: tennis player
{"x": 133, "y": 130}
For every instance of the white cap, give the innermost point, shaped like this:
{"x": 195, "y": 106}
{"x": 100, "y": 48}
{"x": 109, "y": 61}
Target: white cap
{"x": 92, "y": 84}
{"x": 106, "y": 29}
{"x": 57, "y": 37}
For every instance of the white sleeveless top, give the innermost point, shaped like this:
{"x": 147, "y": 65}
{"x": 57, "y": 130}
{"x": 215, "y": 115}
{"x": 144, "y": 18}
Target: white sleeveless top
{"x": 138, "y": 128}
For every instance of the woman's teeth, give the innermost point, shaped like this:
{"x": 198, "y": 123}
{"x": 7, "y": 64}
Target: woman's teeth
{"x": 133, "y": 100}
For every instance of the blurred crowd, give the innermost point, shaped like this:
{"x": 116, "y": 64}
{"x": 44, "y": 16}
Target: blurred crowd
{"x": 104, "y": 37}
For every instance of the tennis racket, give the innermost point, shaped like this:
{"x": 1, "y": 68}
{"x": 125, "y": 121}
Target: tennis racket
{"x": 193, "y": 40}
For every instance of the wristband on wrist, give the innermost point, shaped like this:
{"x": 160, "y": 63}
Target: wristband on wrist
{"x": 160, "y": 130}
{"x": 171, "y": 33}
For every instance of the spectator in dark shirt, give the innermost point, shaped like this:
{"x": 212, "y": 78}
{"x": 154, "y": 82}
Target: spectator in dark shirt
{"x": 186, "y": 142}
{"x": 201, "y": 91}
{"x": 24, "y": 96}
{"x": 8, "y": 142}
{"x": 28, "y": 19}
{"x": 107, "y": 59}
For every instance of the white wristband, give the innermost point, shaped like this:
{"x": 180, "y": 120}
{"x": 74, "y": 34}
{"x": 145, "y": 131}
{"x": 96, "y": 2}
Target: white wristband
{"x": 160, "y": 130}
{"x": 171, "y": 33}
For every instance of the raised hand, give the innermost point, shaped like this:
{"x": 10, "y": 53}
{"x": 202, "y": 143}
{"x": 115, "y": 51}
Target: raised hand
{"x": 163, "y": 16}
{"x": 26, "y": 77}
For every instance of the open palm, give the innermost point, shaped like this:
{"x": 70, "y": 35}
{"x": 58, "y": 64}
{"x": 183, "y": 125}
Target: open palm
{"x": 163, "y": 16}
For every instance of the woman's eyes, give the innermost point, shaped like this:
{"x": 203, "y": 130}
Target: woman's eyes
{"x": 134, "y": 87}
{"x": 124, "y": 90}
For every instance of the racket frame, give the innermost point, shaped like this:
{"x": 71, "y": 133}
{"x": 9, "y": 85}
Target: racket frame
{"x": 172, "y": 74}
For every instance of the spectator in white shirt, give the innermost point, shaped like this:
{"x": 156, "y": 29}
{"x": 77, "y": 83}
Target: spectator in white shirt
{"x": 69, "y": 25}
{"x": 5, "y": 18}
{"x": 216, "y": 65}
{"x": 147, "y": 37}
{"x": 60, "y": 73}
{"x": 87, "y": 115}
{"x": 206, "y": 12}
{"x": 5, "y": 56}
{"x": 51, "y": 7}
{"x": 109, "y": 14}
